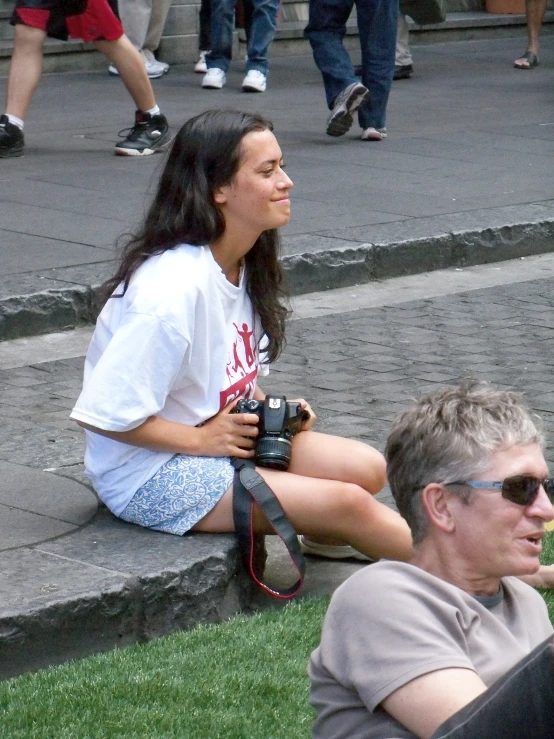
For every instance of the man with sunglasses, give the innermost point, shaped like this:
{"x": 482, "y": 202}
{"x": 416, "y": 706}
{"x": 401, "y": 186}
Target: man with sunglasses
{"x": 452, "y": 643}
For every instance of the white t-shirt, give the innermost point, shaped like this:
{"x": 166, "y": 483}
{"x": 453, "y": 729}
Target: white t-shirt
{"x": 180, "y": 344}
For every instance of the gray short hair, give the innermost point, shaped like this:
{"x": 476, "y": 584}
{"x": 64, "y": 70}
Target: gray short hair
{"x": 450, "y": 435}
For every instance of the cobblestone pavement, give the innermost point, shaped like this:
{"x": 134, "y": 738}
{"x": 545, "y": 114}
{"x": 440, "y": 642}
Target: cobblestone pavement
{"x": 358, "y": 368}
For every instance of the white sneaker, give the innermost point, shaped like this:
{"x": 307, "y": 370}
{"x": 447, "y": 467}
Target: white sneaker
{"x": 200, "y": 66}
{"x": 254, "y": 81}
{"x": 155, "y": 69}
{"x": 327, "y": 551}
{"x": 374, "y": 134}
{"x": 214, "y": 79}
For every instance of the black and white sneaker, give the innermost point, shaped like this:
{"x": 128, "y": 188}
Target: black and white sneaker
{"x": 12, "y": 140}
{"x": 149, "y": 135}
{"x": 348, "y": 101}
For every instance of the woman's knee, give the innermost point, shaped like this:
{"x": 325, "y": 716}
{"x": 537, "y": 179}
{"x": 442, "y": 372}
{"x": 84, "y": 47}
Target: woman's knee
{"x": 350, "y": 505}
{"x": 331, "y": 457}
{"x": 367, "y": 467}
{"x": 373, "y": 468}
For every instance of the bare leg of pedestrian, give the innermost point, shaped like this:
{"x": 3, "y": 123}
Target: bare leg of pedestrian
{"x": 151, "y": 131}
{"x": 99, "y": 24}
{"x": 25, "y": 69}
{"x": 534, "y": 10}
{"x": 131, "y": 68}
{"x": 23, "y": 78}
{"x": 143, "y": 22}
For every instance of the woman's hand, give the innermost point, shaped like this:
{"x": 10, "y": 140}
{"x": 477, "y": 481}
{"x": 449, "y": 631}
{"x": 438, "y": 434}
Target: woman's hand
{"x": 229, "y": 434}
{"x": 308, "y": 423}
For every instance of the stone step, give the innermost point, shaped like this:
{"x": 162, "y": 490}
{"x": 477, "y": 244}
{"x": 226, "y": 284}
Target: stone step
{"x": 108, "y": 585}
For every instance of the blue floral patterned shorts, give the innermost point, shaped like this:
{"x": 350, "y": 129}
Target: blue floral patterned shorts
{"x": 181, "y": 493}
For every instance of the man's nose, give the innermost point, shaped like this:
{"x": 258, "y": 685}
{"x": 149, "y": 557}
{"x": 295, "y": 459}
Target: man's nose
{"x": 542, "y": 506}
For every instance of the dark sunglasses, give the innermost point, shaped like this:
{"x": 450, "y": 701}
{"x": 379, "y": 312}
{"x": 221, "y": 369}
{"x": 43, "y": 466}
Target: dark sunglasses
{"x": 520, "y": 489}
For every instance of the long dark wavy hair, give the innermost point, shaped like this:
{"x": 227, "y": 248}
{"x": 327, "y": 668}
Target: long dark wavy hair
{"x": 205, "y": 155}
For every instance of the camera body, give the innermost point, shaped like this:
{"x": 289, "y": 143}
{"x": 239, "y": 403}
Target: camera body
{"x": 279, "y": 421}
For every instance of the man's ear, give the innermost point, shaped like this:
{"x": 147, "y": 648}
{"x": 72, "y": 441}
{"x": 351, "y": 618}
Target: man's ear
{"x": 438, "y": 500}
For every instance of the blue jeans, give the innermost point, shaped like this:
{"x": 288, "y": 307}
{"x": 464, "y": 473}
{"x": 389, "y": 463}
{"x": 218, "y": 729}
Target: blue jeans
{"x": 377, "y": 24}
{"x": 262, "y": 31}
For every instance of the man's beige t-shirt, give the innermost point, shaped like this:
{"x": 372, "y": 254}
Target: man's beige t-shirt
{"x": 392, "y": 622}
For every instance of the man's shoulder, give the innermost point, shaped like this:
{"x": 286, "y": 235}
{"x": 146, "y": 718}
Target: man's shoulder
{"x": 387, "y": 572}
{"x": 389, "y": 586}
{"x": 387, "y": 583}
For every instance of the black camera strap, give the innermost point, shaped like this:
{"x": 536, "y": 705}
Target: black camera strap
{"x": 249, "y": 486}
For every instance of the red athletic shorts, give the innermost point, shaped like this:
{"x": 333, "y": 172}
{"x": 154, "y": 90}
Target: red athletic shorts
{"x": 89, "y": 20}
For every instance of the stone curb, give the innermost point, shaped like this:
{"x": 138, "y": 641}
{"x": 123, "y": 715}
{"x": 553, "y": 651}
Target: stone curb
{"x": 408, "y": 247}
{"x": 75, "y": 599}
{"x": 344, "y": 267}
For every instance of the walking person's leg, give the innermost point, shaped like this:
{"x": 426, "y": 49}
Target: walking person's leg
{"x": 247, "y": 13}
{"x": 204, "y": 37}
{"x": 137, "y": 18}
{"x": 403, "y": 66}
{"x": 261, "y": 32}
{"x": 377, "y": 24}
{"x": 151, "y": 130}
{"x": 221, "y": 35}
{"x": 325, "y": 30}
{"x": 534, "y": 10}
{"x": 130, "y": 64}
{"x": 158, "y": 18}
{"x": 23, "y": 78}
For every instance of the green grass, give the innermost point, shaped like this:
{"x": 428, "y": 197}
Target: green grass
{"x": 548, "y": 558}
{"x": 245, "y": 679}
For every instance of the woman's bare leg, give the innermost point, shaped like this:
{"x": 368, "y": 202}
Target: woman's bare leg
{"x": 336, "y": 458}
{"x": 328, "y": 457}
{"x": 328, "y": 507}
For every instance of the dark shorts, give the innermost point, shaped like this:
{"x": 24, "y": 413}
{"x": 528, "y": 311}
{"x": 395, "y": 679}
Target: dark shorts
{"x": 88, "y": 20}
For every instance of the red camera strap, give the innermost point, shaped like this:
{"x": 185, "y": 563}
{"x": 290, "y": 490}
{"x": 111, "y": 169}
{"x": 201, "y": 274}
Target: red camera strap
{"x": 249, "y": 486}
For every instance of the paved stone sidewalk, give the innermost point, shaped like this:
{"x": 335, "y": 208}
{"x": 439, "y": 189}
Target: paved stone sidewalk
{"x": 358, "y": 368}
{"x": 108, "y": 583}
{"x": 464, "y": 177}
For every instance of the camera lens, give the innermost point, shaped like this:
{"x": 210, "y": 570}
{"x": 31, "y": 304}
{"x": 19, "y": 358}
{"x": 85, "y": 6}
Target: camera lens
{"x": 273, "y": 452}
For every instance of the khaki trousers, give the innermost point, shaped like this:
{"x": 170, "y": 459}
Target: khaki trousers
{"x": 403, "y": 55}
{"x": 143, "y": 22}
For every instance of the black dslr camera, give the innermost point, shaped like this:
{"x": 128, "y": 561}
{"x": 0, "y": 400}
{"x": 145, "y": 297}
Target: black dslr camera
{"x": 279, "y": 421}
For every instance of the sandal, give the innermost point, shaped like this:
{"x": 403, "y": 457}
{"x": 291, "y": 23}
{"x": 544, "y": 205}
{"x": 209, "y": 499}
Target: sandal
{"x": 526, "y": 61}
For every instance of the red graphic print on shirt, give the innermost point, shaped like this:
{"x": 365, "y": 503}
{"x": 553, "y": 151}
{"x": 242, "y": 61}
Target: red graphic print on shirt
{"x": 246, "y": 336}
{"x": 241, "y": 368}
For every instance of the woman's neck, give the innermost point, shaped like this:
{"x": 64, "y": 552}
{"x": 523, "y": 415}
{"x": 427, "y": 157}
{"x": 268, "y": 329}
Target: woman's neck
{"x": 229, "y": 254}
